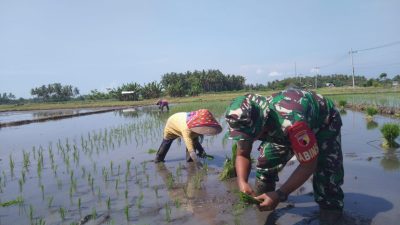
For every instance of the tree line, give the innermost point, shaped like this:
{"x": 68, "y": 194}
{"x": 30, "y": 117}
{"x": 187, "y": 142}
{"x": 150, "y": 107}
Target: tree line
{"x": 337, "y": 80}
{"x": 192, "y": 84}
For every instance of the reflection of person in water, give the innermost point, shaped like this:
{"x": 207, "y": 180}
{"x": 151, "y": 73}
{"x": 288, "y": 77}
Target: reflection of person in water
{"x": 189, "y": 126}
{"x": 188, "y": 194}
{"x": 162, "y": 103}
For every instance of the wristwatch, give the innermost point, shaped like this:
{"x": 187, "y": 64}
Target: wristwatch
{"x": 281, "y": 195}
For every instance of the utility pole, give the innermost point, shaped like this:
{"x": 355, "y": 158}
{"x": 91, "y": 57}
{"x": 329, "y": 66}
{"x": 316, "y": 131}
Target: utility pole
{"x": 352, "y": 63}
{"x": 316, "y": 69}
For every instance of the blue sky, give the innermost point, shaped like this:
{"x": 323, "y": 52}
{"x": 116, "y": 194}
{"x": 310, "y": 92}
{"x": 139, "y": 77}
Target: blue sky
{"x": 94, "y": 44}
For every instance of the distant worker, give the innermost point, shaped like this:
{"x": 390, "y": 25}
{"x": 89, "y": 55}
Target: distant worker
{"x": 162, "y": 103}
{"x": 291, "y": 122}
{"x": 190, "y": 126}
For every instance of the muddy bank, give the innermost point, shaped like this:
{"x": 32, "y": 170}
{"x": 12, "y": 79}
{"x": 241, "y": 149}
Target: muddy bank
{"x": 383, "y": 110}
{"x": 58, "y": 117}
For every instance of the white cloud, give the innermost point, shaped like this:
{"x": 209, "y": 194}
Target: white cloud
{"x": 274, "y": 74}
{"x": 259, "y": 71}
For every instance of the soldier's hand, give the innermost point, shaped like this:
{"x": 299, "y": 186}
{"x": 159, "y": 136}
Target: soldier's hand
{"x": 270, "y": 201}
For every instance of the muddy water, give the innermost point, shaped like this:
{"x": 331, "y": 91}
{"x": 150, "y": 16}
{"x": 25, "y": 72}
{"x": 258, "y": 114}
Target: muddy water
{"x": 97, "y": 169}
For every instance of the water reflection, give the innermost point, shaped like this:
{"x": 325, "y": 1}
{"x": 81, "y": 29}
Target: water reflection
{"x": 390, "y": 161}
{"x": 343, "y": 112}
{"x": 372, "y": 125}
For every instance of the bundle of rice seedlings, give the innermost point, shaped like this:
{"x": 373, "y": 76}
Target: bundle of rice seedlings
{"x": 229, "y": 170}
{"x": 248, "y": 199}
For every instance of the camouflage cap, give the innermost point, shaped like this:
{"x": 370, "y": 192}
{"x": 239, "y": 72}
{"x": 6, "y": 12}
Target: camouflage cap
{"x": 246, "y": 116}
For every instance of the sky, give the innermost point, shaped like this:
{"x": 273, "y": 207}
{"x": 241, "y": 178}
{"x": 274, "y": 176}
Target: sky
{"x": 98, "y": 44}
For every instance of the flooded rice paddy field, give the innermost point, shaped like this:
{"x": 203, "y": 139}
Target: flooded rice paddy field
{"x": 97, "y": 169}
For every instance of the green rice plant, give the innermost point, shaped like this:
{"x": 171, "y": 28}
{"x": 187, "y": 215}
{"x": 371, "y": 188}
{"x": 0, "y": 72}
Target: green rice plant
{"x": 371, "y": 112}
{"x": 108, "y": 202}
{"x": 126, "y": 194}
{"x": 31, "y": 213}
{"x": 156, "y": 191}
{"x": 248, "y": 199}
{"x": 342, "y": 103}
{"x": 26, "y": 160}
{"x": 49, "y": 201}
{"x": 94, "y": 213}
{"x": 197, "y": 178}
{"x": 116, "y": 184}
{"x": 4, "y": 178}
{"x": 23, "y": 176}
{"x": 128, "y": 165}
{"x": 111, "y": 168}
{"x": 170, "y": 181}
{"x": 126, "y": 211}
{"x": 83, "y": 172}
{"x": 139, "y": 200}
{"x": 12, "y": 165}
{"x": 79, "y": 204}
{"x": 119, "y": 169}
{"x": 177, "y": 203}
{"x": 62, "y": 213}
{"x": 42, "y": 190}
{"x": 390, "y": 132}
{"x": 41, "y": 222}
{"x": 18, "y": 201}
{"x": 151, "y": 151}
{"x": 229, "y": 170}
{"x": 21, "y": 185}
{"x": 167, "y": 213}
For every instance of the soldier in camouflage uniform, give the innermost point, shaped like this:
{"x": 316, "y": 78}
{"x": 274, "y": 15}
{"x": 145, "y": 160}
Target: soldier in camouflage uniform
{"x": 291, "y": 122}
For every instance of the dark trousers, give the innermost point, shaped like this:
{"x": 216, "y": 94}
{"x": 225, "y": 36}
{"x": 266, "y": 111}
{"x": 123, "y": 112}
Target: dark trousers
{"x": 166, "y": 144}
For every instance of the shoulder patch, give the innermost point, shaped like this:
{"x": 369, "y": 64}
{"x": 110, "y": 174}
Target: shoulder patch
{"x": 303, "y": 142}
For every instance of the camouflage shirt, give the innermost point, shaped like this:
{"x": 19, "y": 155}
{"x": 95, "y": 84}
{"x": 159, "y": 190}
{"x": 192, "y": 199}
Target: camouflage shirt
{"x": 253, "y": 117}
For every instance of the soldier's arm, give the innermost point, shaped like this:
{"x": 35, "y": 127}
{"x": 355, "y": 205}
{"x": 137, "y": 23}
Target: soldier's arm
{"x": 305, "y": 147}
{"x": 243, "y": 165}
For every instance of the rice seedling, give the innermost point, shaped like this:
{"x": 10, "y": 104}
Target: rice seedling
{"x": 116, "y": 184}
{"x": 156, "y": 191}
{"x": 18, "y": 201}
{"x": 41, "y": 222}
{"x": 229, "y": 165}
{"x": 108, "y": 203}
{"x": 167, "y": 213}
{"x": 177, "y": 203}
{"x": 390, "y": 132}
{"x": 126, "y": 194}
{"x": 4, "y": 178}
{"x": 31, "y": 213}
{"x": 197, "y": 178}
{"x": 49, "y": 201}
{"x": 62, "y": 213}
{"x": 79, "y": 204}
{"x": 342, "y": 104}
{"x": 94, "y": 213}
{"x": 21, "y": 185}
{"x": 111, "y": 168}
{"x": 139, "y": 200}
{"x": 26, "y": 160}
{"x": 126, "y": 211}
{"x": 170, "y": 181}
{"x": 128, "y": 166}
{"x": 118, "y": 170}
{"x": 12, "y": 165}
{"x": 151, "y": 151}
{"x": 42, "y": 190}
{"x": 248, "y": 199}
{"x": 23, "y": 176}
{"x": 371, "y": 112}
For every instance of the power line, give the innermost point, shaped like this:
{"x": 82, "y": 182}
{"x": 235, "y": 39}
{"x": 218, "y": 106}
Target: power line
{"x": 377, "y": 47}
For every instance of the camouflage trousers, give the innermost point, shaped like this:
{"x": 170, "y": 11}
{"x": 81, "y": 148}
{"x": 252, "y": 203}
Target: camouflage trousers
{"x": 328, "y": 177}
